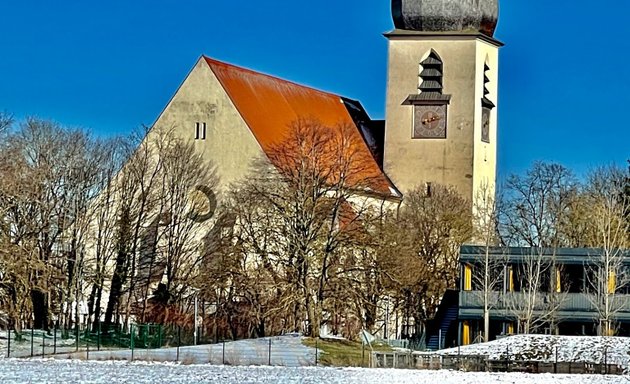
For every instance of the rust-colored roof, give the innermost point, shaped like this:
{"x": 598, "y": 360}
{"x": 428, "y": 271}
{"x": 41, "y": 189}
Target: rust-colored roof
{"x": 270, "y": 105}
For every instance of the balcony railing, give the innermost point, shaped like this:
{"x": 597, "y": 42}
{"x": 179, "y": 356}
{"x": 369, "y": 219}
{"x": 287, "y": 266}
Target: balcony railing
{"x": 582, "y": 302}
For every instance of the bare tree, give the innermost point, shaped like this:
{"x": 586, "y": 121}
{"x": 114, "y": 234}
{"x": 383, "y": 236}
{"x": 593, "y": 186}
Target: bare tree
{"x": 534, "y": 206}
{"x": 6, "y": 120}
{"x": 186, "y": 204}
{"x": 422, "y": 250}
{"x": 101, "y": 219}
{"x": 607, "y": 272}
{"x": 48, "y": 174}
{"x": 489, "y": 276}
{"x": 534, "y": 210}
{"x": 18, "y": 251}
{"x": 249, "y": 268}
{"x": 135, "y": 203}
{"x": 318, "y": 185}
{"x": 533, "y": 298}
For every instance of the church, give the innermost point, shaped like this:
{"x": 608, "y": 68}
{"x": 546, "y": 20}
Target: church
{"x": 440, "y": 126}
{"x": 441, "y": 105}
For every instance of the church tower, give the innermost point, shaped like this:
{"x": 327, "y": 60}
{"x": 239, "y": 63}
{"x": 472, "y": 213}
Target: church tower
{"x": 441, "y": 117}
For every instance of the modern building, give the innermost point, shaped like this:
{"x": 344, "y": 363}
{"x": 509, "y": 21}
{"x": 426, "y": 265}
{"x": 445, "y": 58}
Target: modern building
{"x": 566, "y": 291}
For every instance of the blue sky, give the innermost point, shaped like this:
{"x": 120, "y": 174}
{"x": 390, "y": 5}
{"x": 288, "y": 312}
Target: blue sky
{"x": 110, "y": 66}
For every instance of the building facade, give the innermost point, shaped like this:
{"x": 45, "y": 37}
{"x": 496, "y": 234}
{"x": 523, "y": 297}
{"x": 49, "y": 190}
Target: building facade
{"x": 566, "y": 291}
{"x": 442, "y": 93}
{"x": 441, "y": 103}
{"x": 441, "y": 107}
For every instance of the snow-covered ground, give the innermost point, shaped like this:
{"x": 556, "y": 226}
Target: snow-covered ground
{"x": 597, "y": 350}
{"x": 287, "y": 351}
{"x": 72, "y": 371}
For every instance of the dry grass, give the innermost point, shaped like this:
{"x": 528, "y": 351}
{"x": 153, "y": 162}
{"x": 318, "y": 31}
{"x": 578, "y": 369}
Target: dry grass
{"x": 343, "y": 353}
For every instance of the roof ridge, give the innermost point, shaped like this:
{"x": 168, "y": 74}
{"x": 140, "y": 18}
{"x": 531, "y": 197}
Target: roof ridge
{"x": 210, "y": 60}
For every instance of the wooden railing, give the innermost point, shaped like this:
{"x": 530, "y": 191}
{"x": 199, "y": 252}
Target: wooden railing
{"x": 582, "y": 302}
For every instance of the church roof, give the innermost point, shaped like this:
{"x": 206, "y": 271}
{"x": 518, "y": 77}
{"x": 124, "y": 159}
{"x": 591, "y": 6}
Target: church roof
{"x": 269, "y": 105}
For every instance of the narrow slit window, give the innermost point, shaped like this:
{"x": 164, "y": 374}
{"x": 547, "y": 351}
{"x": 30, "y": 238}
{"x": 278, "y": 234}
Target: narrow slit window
{"x": 196, "y": 131}
{"x": 203, "y": 131}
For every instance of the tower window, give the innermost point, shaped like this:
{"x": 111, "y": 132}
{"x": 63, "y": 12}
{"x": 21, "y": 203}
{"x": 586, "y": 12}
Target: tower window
{"x": 486, "y": 107}
{"x": 485, "y": 102}
{"x": 431, "y": 74}
{"x": 430, "y": 105}
{"x": 196, "y": 131}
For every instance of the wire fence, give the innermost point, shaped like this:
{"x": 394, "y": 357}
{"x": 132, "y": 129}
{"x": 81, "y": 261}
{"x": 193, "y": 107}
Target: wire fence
{"x": 151, "y": 342}
{"x": 604, "y": 361}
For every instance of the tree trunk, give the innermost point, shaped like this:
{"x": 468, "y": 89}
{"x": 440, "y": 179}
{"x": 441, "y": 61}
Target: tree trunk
{"x": 116, "y": 288}
{"x": 40, "y": 310}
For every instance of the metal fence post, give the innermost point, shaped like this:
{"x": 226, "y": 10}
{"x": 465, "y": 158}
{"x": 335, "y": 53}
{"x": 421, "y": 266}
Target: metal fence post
{"x": 43, "y": 342}
{"x": 87, "y": 348}
{"x": 507, "y": 358}
{"x": 363, "y": 355}
{"x": 131, "y": 341}
{"x": 269, "y": 351}
{"x": 8, "y": 342}
{"x": 55, "y": 337}
{"x": 223, "y": 362}
{"x": 605, "y": 360}
{"x": 32, "y": 337}
{"x": 179, "y": 340}
{"x": 76, "y": 335}
{"x": 98, "y": 335}
{"x": 555, "y": 366}
{"x": 316, "y": 347}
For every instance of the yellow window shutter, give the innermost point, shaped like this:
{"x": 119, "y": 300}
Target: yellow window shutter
{"x": 466, "y": 333}
{"x": 558, "y": 282}
{"x": 468, "y": 277}
{"x": 612, "y": 282}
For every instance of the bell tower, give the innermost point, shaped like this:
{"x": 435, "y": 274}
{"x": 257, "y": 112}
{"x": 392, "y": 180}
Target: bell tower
{"x": 441, "y": 112}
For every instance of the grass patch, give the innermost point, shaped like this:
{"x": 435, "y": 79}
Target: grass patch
{"x": 343, "y": 353}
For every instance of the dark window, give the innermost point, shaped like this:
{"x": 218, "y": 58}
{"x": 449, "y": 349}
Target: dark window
{"x": 485, "y": 124}
{"x": 573, "y": 278}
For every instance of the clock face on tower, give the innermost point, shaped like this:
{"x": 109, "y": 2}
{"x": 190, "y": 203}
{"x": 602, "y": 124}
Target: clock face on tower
{"x": 485, "y": 125}
{"x": 429, "y": 122}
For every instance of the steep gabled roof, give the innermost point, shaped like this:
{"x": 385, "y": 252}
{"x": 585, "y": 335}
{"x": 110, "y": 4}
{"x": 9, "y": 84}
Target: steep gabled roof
{"x": 270, "y": 105}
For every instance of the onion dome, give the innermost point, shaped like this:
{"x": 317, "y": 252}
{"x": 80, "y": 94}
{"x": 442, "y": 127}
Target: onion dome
{"x": 446, "y": 15}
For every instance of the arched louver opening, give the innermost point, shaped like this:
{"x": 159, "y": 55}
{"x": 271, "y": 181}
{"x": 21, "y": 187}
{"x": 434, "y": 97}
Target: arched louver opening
{"x": 431, "y": 74}
{"x": 485, "y": 101}
{"x": 486, "y": 107}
